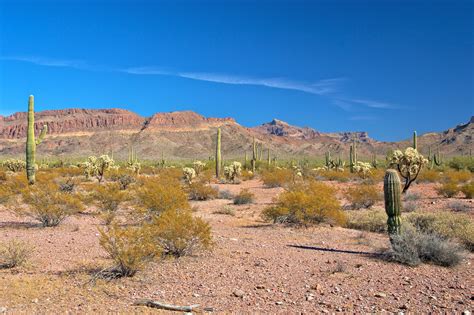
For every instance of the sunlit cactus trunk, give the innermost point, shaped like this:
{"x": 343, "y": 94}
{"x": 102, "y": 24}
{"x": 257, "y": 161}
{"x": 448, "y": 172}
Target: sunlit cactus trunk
{"x": 218, "y": 153}
{"x": 415, "y": 144}
{"x": 392, "y": 192}
{"x": 254, "y": 155}
{"x": 31, "y": 142}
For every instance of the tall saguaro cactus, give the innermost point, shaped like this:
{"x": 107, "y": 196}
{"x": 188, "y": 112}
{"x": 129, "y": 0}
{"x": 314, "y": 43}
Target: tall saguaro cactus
{"x": 392, "y": 192}
{"x": 254, "y": 155}
{"x": 218, "y": 153}
{"x": 31, "y": 142}
{"x": 414, "y": 141}
{"x": 353, "y": 155}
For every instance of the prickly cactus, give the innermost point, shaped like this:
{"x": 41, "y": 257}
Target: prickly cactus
{"x": 218, "y": 154}
{"x": 31, "y": 142}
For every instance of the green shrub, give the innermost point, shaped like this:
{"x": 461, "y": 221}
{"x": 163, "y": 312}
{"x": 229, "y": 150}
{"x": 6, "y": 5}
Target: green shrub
{"x": 468, "y": 190}
{"x": 108, "y": 198}
{"x": 13, "y": 254}
{"x": 201, "y": 191}
{"x": 305, "y": 204}
{"x": 244, "y": 197}
{"x": 448, "y": 190}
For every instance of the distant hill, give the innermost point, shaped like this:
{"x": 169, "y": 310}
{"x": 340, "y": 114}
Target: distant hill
{"x": 187, "y": 135}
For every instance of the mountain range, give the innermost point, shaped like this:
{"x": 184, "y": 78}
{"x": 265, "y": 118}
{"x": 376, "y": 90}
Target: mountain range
{"x": 189, "y": 135}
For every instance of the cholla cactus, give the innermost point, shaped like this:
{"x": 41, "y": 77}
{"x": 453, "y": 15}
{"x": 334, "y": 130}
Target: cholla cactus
{"x": 408, "y": 164}
{"x": 14, "y": 165}
{"x": 97, "y": 166}
{"x": 232, "y": 172}
{"x": 362, "y": 169}
{"x": 189, "y": 174}
{"x": 135, "y": 167}
{"x": 198, "y": 166}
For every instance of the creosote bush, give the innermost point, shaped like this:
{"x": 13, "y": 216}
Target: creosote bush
{"x": 457, "y": 177}
{"x": 412, "y": 247}
{"x": 108, "y": 198}
{"x": 13, "y": 254}
{"x": 47, "y": 204}
{"x": 178, "y": 233}
{"x": 244, "y": 197}
{"x": 306, "y": 204}
{"x": 468, "y": 190}
{"x": 157, "y": 195}
{"x": 123, "y": 179}
{"x": 448, "y": 190}
{"x": 363, "y": 196}
{"x": 130, "y": 248}
{"x": 373, "y": 220}
{"x": 201, "y": 191}
{"x": 277, "y": 177}
{"x": 428, "y": 176}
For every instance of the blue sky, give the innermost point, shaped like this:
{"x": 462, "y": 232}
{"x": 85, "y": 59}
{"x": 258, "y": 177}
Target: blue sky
{"x": 386, "y": 67}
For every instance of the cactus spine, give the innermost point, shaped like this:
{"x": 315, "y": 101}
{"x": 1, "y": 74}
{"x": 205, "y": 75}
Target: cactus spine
{"x": 415, "y": 143}
{"x": 31, "y": 142}
{"x": 218, "y": 153}
{"x": 392, "y": 192}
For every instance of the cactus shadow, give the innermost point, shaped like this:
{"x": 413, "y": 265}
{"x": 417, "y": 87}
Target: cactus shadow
{"x": 334, "y": 250}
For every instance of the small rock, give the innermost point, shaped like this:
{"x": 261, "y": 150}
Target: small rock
{"x": 3, "y": 310}
{"x": 310, "y": 297}
{"x": 239, "y": 293}
{"x": 196, "y": 295}
{"x": 35, "y": 301}
{"x": 260, "y": 286}
{"x": 466, "y": 312}
{"x": 380, "y": 295}
{"x": 279, "y": 303}
{"x": 404, "y": 307}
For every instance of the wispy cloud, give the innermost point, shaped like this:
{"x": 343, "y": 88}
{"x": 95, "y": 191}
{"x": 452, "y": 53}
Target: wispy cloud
{"x": 330, "y": 88}
{"x": 321, "y": 87}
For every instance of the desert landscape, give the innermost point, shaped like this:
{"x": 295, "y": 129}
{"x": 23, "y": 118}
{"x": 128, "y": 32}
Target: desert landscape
{"x": 236, "y": 157}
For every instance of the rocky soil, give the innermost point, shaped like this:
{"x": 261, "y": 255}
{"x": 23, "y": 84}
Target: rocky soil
{"x": 254, "y": 268}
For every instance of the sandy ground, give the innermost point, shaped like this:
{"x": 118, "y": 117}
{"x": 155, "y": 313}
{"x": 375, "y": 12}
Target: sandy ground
{"x": 254, "y": 268}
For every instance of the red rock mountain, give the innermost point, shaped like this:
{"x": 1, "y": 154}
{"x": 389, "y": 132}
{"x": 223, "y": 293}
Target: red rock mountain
{"x": 186, "y": 134}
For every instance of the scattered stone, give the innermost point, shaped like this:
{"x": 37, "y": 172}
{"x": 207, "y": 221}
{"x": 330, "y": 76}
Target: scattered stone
{"x": 466, "y": 312}
{"x": 239, "y": 293}
{"x": 380, "y": 295}
{"x": 3, "y": 310}
{"x": 196, "y": 295}
{"x": 260, "y": 286}
{"x": 279, "y": 303}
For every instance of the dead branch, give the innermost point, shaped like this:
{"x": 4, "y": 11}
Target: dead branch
{"x": 168, "y": 307}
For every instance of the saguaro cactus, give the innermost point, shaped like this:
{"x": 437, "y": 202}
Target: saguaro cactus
{"x": 353, "y": 155}
{"x": 254, "y": 155}
{"x": 392, "y": 192}
{"x": 269, "y": 161}
{"x": 31, "y": 142}
{"x": 218, "y": 153}
{"x": 414, "y": 141}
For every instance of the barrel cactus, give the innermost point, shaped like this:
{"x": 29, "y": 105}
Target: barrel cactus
{"x": 392, "y": 192}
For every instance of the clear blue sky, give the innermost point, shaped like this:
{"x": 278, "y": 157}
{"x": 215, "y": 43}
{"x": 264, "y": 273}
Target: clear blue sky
{"x": 386, "y": 67}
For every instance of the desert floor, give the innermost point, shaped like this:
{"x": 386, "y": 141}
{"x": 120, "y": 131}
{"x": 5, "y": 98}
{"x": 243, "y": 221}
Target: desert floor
{"x": 254, "y": 268}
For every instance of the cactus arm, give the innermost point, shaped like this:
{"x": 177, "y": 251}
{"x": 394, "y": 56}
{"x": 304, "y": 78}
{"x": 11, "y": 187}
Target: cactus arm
{"x": 42, "y": 134}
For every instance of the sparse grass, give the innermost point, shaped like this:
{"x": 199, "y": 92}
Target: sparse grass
{"x": 410, "y": 206}
{"x": 226, "y": 210}
{"x": 306, "y": 204}
{"x": 411, "y": 196}
{"x": 14, "y": 253}
{"x": 458, "y": 206}
{"x": 247, "y": 175}
{"x": 363, "y": 196}
{"x": 373, "y": 220}
{"x": 447, "y": 224}
{"x": 341, "y": 177}
{"x": 244, "y": 197}
{"x": 413, "y": 247}
{"x": 225, "y": 194}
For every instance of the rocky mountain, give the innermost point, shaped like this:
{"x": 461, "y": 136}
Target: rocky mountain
{"x": 186, "y": 135}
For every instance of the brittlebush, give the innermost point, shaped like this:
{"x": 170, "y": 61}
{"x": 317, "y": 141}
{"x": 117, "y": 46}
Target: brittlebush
{"x": 306, "y": 204}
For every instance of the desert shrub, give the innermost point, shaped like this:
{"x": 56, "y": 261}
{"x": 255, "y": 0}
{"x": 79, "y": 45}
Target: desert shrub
{"x": 67, "y": 186}
{"x": 12, "y": 187}
{"x": 247, "y": 175}
{"x": 67, "y": 172}
{"x": 374, "y": 220}
{"x": 332, "y": 175}
{"x": 458, "y": 206}
{"x": 130, "y": 248}
{"x": 457, "y": 176}
{"x": 462, "y": 163}
{"x": 277, "y": 177}
{"x": 225, "y": 194}
{"x": 468, "y": 190}
{"x": 448, "y": 190}
{"x": 375, "y": 175}
{"x": 124, "y": 180}
{"x": 178, "y": 233}
{"x": 227, "y": 210}
{"x": 14, "y": 165}
{"x": 410, "y": 206}
{"x": 13, "y": 254}
{"x": 363, "y": 196}
{"x": 207, "y": 175}
{"x": 45, "y": 203}
{"x": 201, "y": 191}
{"x": 456, "y": 226}
{"x": 244, "y": 197}
{"x": 108, "y": 198}
{"x": 429, "y": 176}
{"x": 305, "y": 204}
{"x": 157, "y": 195}
{"x": 411, "y": 196}
{"x": 3, "y": 176}
{"x": 412, "y": 247}
{"x": 170, "y": 174}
